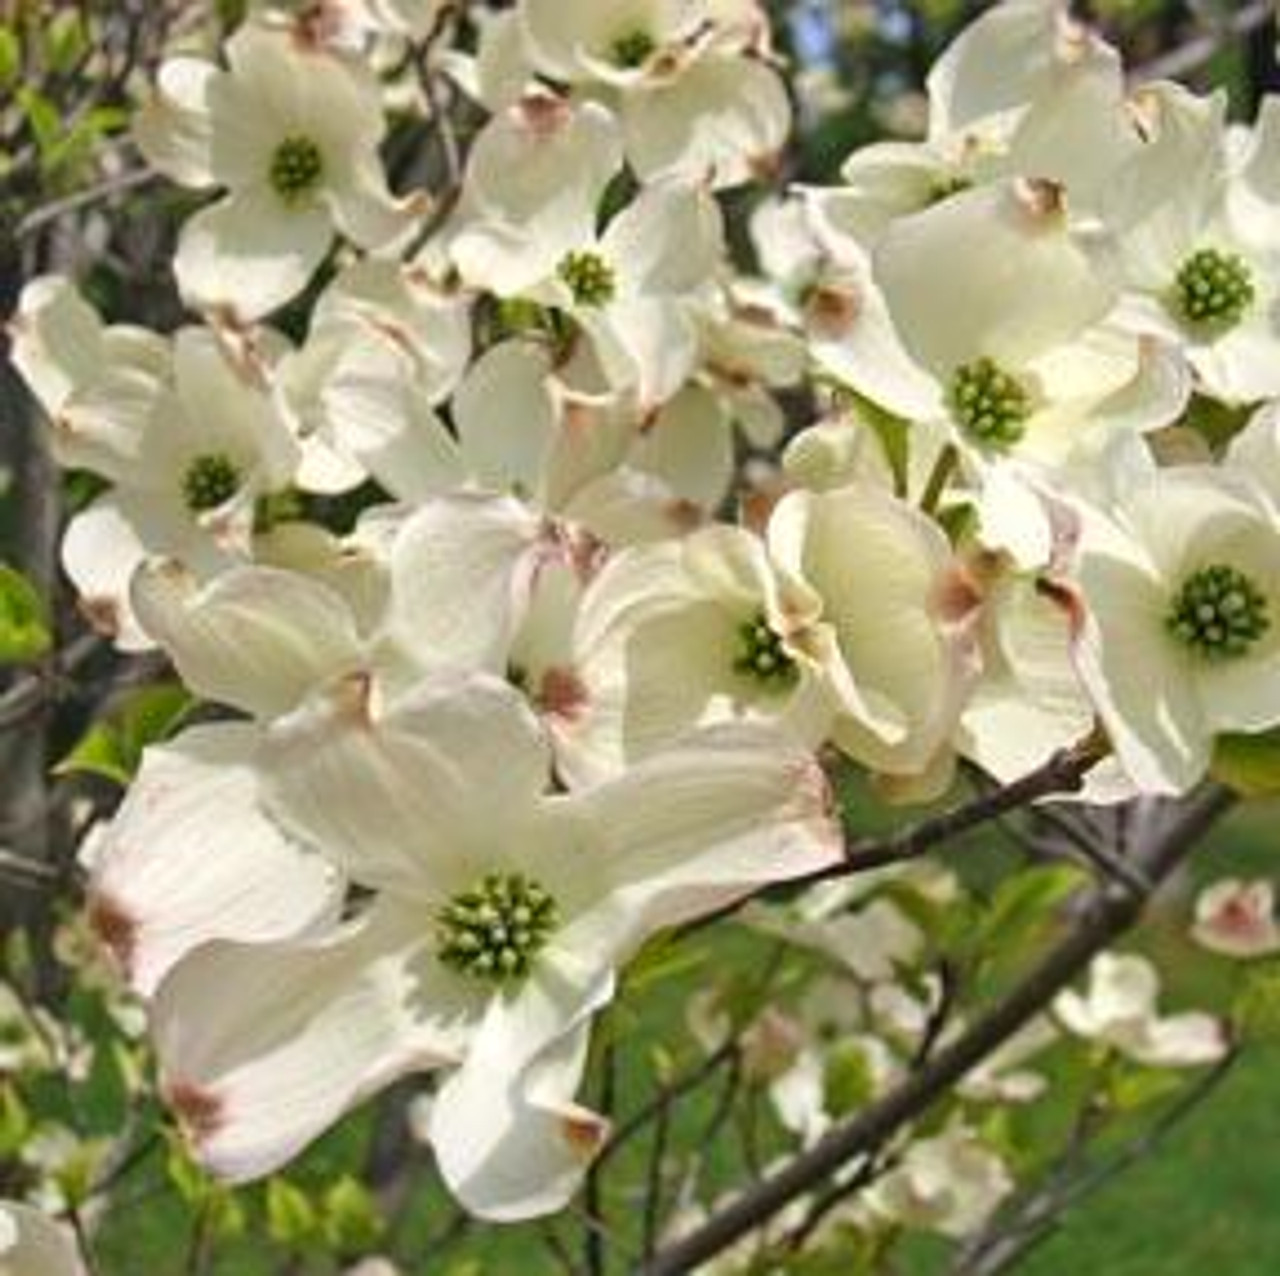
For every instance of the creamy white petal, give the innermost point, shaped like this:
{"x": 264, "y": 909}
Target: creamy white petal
{"x": 315, "y": 1026}
{"x": 191, "y": 857}
{"x": 509, "y": 1140}
{"x": 461, "y": 573}
{"x": 418, "y": 797}
{"x": 32, "y": 1244}
{"x": 724, "y": 811}
{"x": 1007, "y": 259}
{"x": 257, "y": 638}
{"x": 723, "y": 120}
{"x": 172, "y": 127}
{"x": 247, "y": 255}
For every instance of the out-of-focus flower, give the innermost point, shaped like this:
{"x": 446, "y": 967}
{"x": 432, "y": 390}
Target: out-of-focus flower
{"x": 1237, "y": 919}
{"x": 1119, "y": 1010}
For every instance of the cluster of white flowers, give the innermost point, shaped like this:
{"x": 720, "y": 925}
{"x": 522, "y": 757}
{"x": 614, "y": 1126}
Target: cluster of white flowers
{"x": 565, "y": 682}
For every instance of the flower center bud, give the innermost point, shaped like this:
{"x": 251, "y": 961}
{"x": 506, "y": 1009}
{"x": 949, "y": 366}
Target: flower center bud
{"x": 1219, "y": 613}
{"x": 493, "y": 931}
{"x": 1214, "y": 289}
{"x": 760, "y": 656}
{"x": 590, "y": 278}
{"x": 210, "y": 481}
{"x": 632, "y": 49}
{"x": 989, "y": 404}
{"x": 296, "y": 168}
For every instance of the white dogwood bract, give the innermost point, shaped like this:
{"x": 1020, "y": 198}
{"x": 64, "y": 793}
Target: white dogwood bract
{"x": 541, "y": 552}
{"x": 32, "y": 1244}
{"x": 1119, "y": 1011}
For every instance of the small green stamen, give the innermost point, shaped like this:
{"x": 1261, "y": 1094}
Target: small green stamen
{"x": 1214, "y": 289}
{"x": 1219, "y": 613}
{"x": 989, "y": 404}
{"x": 296, "y": 168}
{"x": 632, "y": 50}
{"x": 761, "y": 656}
{"x": 493, "y": 931}
{"x": 590, "y": 278}
{"x": 210, "y": 481}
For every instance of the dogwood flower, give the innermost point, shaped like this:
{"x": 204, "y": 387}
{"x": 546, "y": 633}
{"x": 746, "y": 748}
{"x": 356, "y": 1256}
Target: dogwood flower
{"x": 291, "y": 131}
{"x": 1030, "y": 371}
{"x": 629, "y": 288}
{"x": 1119, "y": 1011}
{"x": 499, "y": 916}
{"x": 667, "y": 69}
{"x": 32, "y": 1244}
{"x": 1023, "y": 91}
{"x": 837, "y": 623}
{"x": 949, "y": 1184}
{"x": 1197, "y": 255}
{"x": 186, "y": 431}
{"x": 1237, "y": 919}
{"x": 1173, "y": 596}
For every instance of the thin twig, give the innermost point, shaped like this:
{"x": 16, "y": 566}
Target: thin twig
{"x": 116, "y": 185}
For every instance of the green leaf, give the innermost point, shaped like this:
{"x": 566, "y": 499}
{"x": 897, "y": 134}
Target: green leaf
{"x": 291, "y": 1217}
{"x": 847, "y": 1083}
{"x": 352, "y": 1224}
{"x": 113, "y": 748}
{"x": 43, "y": 118}
{"x": 10, "y": 57}
{"x": 1249, "y": 764}
{"x": 1028, "y": 898}
{"x": 65, "y": 41}
{"x": 1137, "y": 1087}
{"x": 24, "y": 622}
{"x": 15, "y": 1121}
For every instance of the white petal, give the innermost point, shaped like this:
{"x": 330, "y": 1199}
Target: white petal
{"x": 461, "y": 573}
{"x": 101, "y": 548}
{"x": 190, "y": 857}
{"x": 670, "y": 239}
{"x": 1142, "y": 692}
{"x": 507, "y": 416}
{"x": 256, "y": 637}
{"x": 1184, "y": 1041}
{"x": 32, "y": 1244}
{"x": 172, "y": 127}
{"x": 1003, "y": 256}
{"x": 314, "y": 1028}
{"x": 691, "y": 829}
{"x": 723, "y": 120}
{"x": 544, "y": 163}
{"x": 419, "y": 797}
{"x": 690, "y": 446}
{"x": 247, "y": 255}
{"x": 509, "y": 1140}
{"x": 365, "y": 210}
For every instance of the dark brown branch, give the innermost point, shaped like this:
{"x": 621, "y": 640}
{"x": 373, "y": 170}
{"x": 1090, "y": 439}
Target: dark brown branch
{"x": 1106, "y": 912}
{"x": 1063, "y": 773}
